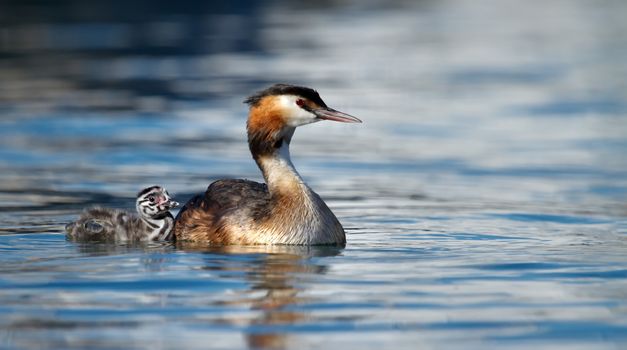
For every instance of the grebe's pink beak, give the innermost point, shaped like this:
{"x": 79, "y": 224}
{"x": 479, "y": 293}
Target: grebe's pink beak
{"x": 326, "y": 113}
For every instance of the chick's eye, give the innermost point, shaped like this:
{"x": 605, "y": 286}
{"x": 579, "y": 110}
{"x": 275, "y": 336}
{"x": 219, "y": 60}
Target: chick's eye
{"x": 151, "y": 199}
{"x": 300, "y": 102}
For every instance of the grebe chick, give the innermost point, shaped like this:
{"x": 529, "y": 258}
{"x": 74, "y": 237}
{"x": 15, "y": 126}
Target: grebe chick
{"x": 284, "y": 210}
{"x": 152, "y": 222}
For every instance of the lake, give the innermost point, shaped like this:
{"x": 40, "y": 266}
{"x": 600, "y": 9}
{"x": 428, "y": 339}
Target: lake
{"x": 484, "y": 196}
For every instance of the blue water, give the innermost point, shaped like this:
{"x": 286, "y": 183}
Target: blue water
{"x": 484, "y": 196}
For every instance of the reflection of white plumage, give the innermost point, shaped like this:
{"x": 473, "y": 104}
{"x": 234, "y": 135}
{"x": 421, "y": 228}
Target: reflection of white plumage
{"x": 284, "y": 210}
{"x": 154, "y": 221}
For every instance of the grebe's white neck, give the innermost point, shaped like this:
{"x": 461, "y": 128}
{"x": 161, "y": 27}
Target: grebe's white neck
{"x": 278, "y": 170}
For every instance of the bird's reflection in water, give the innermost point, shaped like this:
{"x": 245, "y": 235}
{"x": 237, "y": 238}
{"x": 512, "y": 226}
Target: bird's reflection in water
{"x": 274, "y": 274}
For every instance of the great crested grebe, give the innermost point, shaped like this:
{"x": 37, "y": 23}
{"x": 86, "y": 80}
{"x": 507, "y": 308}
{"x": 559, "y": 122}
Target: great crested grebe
{"x": 284, "y": 210}
{"x": 154, "y": 222}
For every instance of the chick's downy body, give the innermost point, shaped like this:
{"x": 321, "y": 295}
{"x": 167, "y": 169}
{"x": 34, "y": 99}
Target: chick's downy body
{"x": 153, "y": 220}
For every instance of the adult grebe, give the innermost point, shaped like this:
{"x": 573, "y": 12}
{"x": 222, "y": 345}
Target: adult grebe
{"x": 282, "y": 211}
{"x": 154, "y": 222}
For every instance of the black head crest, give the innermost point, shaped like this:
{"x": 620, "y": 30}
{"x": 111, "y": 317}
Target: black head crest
{"x": 286, "y": 89}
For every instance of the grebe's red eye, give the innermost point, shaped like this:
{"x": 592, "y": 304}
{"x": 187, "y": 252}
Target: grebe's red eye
{"x": 300, "y": 102}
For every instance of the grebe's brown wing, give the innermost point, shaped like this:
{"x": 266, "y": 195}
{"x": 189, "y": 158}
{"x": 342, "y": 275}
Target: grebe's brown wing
{"x": 228, "y": 194}
{"x": 199, "y": 219}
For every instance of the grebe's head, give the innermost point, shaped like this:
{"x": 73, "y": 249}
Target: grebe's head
{"x": 276, "y": 111}
{"x": 153, "y": 202}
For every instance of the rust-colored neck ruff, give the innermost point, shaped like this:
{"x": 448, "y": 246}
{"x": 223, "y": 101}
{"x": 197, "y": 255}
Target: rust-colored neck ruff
{"x": 265, "y": 128}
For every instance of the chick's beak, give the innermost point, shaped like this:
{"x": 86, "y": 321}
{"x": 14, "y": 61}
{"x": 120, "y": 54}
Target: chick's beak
{"x": 168, "y": 203}
{"x": 326, "y": 113}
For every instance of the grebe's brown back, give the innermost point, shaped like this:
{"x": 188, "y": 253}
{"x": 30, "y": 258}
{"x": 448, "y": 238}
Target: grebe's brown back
{"x": 284, "y": 210}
